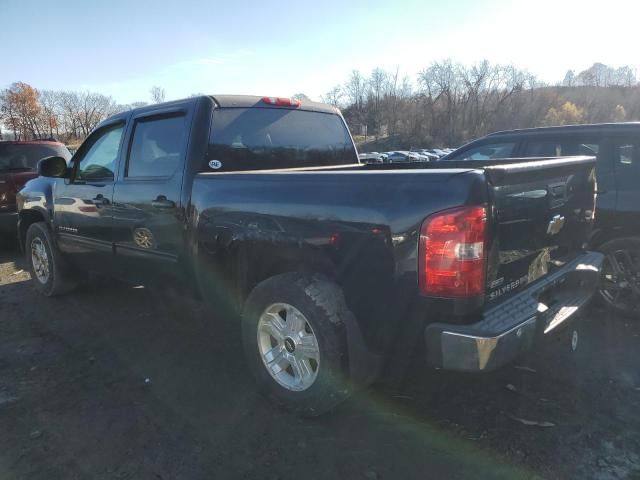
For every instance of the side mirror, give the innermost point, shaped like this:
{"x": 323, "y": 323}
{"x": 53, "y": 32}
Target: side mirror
{"x": 55, "y": 167}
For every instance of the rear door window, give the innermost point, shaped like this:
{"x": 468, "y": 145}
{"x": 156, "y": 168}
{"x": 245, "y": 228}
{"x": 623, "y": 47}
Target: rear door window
{"x": 271, "y": 138}
{"x": 560, "y": 147}
{"x": 489, "y": 151}
{"x": 156, "y": 148}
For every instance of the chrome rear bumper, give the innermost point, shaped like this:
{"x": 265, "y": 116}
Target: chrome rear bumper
{"x": 513, "y": 327}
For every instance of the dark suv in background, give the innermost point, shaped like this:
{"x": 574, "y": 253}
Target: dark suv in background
{"x": 18, "y": 162}
{"x": 617, "y": 232}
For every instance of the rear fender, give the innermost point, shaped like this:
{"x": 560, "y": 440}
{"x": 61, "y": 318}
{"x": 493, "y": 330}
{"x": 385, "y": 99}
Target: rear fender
{"x": 242, "y": 265}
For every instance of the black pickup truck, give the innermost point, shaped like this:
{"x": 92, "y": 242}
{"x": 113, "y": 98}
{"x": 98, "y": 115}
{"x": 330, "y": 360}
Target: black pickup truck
{"x": 336, "y": 268}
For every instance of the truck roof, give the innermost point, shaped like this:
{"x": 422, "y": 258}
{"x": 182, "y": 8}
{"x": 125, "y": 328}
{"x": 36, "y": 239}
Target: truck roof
{"x": 224, "y": 101}
{"x": 599, "y": 127}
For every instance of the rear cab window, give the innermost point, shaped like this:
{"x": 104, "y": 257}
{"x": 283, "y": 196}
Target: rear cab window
{"x": 274, "y": 138}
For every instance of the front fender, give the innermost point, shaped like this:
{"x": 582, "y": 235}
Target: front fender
{"x": 35, "y": 202}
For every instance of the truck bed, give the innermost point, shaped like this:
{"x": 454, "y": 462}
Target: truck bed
{"x": 361, "y": 223}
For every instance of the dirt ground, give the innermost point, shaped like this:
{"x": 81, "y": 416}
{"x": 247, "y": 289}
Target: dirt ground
{"x": 117, "y": 382}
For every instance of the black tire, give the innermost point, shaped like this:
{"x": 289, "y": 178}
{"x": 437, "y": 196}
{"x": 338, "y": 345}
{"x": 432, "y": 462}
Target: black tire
{"x": 621, "y": 293}
{"x": 60, "y": 279}
{"x": 322, "y": 304}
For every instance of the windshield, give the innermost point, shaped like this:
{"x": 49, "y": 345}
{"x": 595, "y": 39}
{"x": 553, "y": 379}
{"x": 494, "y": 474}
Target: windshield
{"x": 21, "y": 156}
{"x": 268, "y": 138}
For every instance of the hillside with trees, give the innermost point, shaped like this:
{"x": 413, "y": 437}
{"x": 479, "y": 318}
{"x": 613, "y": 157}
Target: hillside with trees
{"x": 446, "y": 104}
{"x": 450, "y": 103}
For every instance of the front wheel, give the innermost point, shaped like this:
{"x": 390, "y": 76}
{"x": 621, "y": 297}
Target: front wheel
{"x": 620, "y": 281}
{"x": 49, "y": 273}
{"x": 294, "y": 338}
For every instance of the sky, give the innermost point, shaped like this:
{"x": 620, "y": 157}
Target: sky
{"x": 124, "y": 47}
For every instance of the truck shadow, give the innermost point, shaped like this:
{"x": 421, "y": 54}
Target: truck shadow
{"x": 118, "y": 370}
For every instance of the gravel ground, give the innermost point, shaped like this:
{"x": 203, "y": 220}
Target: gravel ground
{"x": 117, "y": 382}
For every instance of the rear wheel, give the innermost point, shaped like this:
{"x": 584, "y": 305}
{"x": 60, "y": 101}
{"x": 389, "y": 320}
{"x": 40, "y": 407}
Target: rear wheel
{"x": 620, "y": 281}
{"x": 288, "y": 347}
{"x": 294, "y": 339}
{"x": 49, "y": 273}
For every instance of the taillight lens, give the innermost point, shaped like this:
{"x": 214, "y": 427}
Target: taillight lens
{"x": 452, "y": 253}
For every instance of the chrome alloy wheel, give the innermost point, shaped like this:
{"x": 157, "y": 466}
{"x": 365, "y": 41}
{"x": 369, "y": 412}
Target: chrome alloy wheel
{"x": 288, "y": 347}
{"x": 40, "y": 260}
{"x": 143, "y": 237}
{"x": 621, "y": 280}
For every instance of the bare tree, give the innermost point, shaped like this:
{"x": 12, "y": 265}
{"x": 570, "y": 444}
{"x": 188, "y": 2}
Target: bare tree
{"x": 300, "y": 97}
{"x": 355, "y": 88}
{"x": 333, "y": 96}
{"x": 94, "y": 107}
{"x": 50, "y": 113}
{"x": 569, "y": 79}
{"x": 70, "y": 107}
{"x": 626, "y": 76}
{"x": 377, "y": 84}
{"x": 157, "y": 94}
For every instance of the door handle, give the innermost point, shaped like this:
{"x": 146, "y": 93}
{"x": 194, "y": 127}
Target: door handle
{"x": 100, "y": 200}
{"x": 162, "y": 202}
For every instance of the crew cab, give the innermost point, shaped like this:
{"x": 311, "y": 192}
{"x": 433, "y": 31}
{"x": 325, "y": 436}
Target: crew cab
{"x": 337, "y": 269}
{"x": 18, "y": 162}
{"x": 617, "y": 227}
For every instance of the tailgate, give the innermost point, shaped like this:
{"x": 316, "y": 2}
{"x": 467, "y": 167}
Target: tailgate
{"x": 7, "y": 193}
{"x": 542, "y": 218}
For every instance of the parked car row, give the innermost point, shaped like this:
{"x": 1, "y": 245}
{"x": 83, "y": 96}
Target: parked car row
{"x": 435, "y": 153}
{"x": 403, "y": 156}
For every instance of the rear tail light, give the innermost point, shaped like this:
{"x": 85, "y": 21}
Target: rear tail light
{"x": 452, "y": 253}
{"x": 281, "y": 102}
